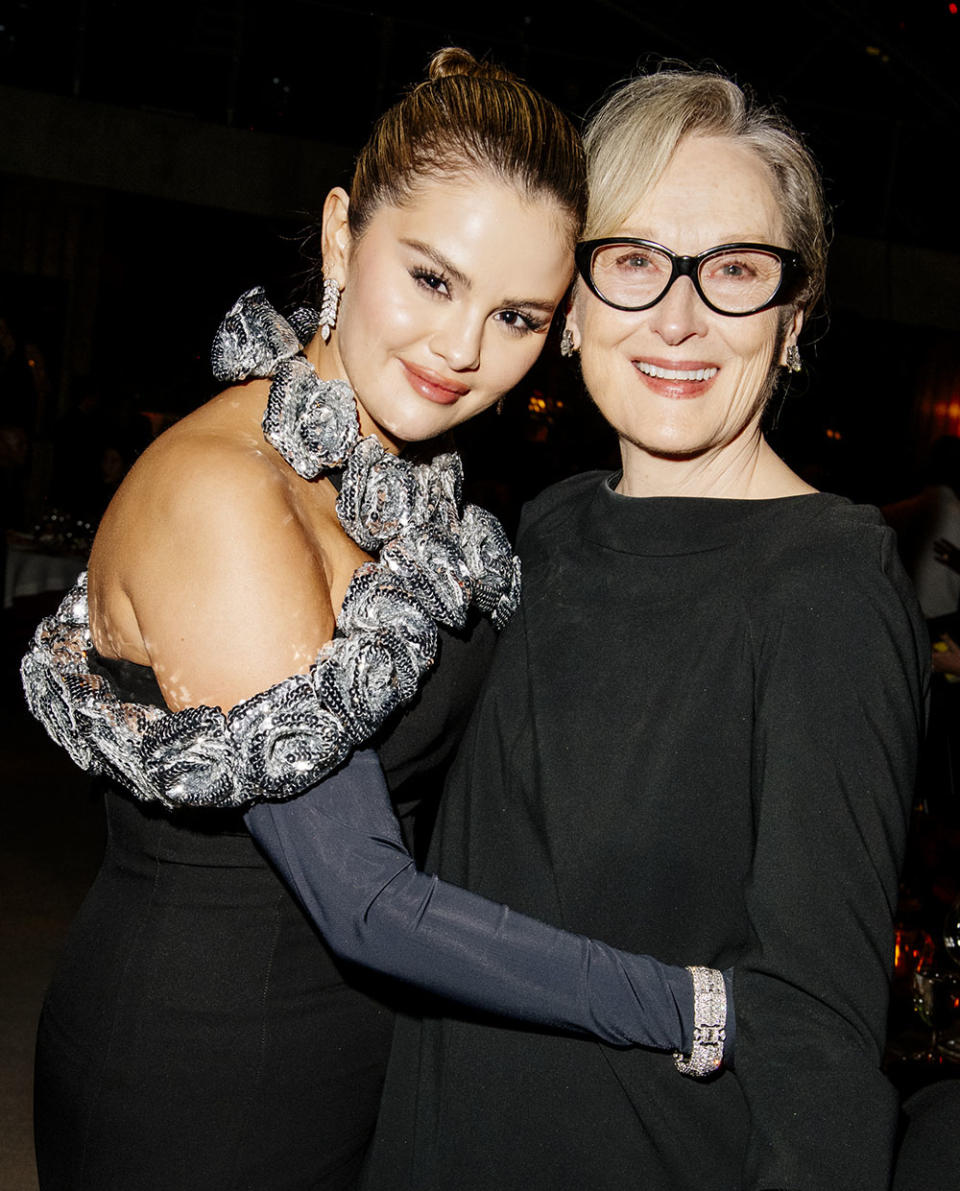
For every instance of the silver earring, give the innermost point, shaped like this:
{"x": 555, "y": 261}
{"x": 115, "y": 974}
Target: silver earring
{"x": 793, "y": 358}
{"x": 329, "y": 305}
{"x": 567, "y": 348}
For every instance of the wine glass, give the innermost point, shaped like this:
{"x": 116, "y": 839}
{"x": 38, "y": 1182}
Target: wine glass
{"x": 951, "y": 932}
{"x": 936, "y": 997}
{"x": 950, "y": 1043}
{"x": 913, "y": 948}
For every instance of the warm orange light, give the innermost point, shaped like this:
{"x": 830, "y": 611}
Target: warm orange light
{"x": 913, "y": 950}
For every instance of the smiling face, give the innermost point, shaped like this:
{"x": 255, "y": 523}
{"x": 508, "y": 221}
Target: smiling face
{"x": 446, "y": 301}
{"x": 679, "y": 381}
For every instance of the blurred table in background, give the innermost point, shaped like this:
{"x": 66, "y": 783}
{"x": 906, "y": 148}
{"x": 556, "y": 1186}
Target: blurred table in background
{"x": 33, "y": 570}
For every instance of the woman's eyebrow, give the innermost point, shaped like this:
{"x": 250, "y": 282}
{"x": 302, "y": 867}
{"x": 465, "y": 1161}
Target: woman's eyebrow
{"x": 440, "y": 261}
{"x": 545, "y": 307}
{"x": 451, "y": 271}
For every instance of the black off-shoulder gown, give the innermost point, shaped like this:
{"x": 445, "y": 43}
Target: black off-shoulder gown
{"x": 198, "y": 1035}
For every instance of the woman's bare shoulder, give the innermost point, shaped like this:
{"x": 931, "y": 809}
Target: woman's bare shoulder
{"x": 207, "y": 567}
{"x": 196, "y": 482}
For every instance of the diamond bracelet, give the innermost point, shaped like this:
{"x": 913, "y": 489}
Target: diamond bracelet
{"x": 709, "y": 1024}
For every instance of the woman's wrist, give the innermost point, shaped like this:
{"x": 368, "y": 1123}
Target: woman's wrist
{"x": 709, "y": 1024}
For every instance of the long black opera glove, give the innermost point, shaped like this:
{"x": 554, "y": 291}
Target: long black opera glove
{"x": 338, "y": 847}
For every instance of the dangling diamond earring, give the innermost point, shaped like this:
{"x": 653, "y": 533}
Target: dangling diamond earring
{"x": 329, "y": 306}
{"x": 793, "y": 358}
{"x": 567, "y": 348}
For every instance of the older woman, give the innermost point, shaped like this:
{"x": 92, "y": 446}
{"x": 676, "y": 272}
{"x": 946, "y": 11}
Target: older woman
{"x": 699, "y": 732}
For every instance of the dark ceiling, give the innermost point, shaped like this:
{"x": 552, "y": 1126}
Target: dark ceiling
{"x": 874, "y": 85}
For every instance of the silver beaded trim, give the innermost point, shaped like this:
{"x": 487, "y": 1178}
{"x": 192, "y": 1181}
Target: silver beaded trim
{"x": 710, "y": 1020}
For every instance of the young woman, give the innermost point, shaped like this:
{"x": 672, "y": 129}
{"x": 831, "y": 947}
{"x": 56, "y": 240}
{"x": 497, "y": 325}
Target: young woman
{"x": 243, "y": 627}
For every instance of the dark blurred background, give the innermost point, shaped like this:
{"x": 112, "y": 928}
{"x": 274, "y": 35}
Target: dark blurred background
{"x": 156, "y": 160}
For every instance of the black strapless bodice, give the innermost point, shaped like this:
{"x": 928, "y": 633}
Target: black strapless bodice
{"x": 198, "y": 1033}
{"x": 414, "y": 748}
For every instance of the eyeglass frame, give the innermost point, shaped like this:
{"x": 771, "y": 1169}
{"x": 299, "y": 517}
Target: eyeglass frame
{"x": 792, "y": 271}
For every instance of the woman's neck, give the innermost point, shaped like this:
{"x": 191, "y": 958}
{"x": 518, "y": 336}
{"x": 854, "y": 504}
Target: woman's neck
{"x": 745, "y": 469}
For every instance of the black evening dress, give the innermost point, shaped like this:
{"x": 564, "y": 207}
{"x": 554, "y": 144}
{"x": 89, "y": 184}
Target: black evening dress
{"x": 697, "y": 741}
{"x": 198, "y": 1035}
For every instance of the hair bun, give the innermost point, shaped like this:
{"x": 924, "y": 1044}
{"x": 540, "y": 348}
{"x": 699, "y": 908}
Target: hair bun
{"x": 466, "y": 118}
{"x": 452, "y": 60}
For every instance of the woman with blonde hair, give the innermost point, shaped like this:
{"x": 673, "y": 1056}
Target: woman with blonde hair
{"x": 698, "y": 735}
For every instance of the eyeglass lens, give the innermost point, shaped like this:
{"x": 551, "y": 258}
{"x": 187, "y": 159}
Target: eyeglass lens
{"x": 734, "y": 281}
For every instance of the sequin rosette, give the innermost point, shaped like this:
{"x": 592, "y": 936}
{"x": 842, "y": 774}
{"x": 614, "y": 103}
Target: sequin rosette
{"x": 434, "y": 560}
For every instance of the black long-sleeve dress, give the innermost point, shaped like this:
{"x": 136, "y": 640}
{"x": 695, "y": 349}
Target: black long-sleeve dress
{"x": 697, "y": 741}
{"x": 198, "y": 1035}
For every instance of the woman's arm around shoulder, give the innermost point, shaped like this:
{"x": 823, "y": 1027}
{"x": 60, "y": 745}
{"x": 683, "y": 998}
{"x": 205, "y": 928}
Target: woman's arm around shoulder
{"x": 339, "y": 849}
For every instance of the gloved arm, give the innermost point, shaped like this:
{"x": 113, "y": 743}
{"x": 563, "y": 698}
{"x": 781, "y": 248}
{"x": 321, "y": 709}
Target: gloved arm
{"x": 339, "y": 848}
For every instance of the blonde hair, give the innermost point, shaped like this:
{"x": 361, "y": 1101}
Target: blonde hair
{"x": 631, "y": 139}
{"x": 470, "y": 115}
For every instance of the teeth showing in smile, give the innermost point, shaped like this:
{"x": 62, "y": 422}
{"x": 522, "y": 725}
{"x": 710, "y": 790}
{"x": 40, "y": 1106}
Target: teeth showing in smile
{"x": 676, "y": 373}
